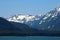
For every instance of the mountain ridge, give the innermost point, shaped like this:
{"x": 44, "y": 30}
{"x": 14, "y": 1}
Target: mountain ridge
{"x": 39, "y": 22}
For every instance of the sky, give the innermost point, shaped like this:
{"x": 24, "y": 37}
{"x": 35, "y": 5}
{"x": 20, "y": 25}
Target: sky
{"x": 33, "y": 7}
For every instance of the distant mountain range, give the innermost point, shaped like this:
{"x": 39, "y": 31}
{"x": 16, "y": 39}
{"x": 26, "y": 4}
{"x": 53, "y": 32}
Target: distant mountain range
{"x": 36, "y": 25}
{"x": 47, "y": 21}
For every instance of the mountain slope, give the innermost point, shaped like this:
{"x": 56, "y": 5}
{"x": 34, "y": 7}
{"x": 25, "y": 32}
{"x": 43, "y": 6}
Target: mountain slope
{"x": 51, "y": 20}
{"x": 5, "y": 25}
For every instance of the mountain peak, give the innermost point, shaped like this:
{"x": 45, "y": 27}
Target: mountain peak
{"x": 58, "y": 9}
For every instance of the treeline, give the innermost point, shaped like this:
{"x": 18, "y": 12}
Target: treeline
{"x": 24, "y": 33}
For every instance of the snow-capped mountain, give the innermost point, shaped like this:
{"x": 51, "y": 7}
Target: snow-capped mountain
{"x": 49, "y": 21}
{"x": 24, "y": 18}
{"x": 51, "y": 15}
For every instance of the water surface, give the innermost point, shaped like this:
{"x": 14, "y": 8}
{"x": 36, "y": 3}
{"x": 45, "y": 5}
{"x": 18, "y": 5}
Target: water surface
{"x": 28, "y": 38}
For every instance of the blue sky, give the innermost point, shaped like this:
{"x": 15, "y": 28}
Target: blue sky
{"x": 13, "y": 7}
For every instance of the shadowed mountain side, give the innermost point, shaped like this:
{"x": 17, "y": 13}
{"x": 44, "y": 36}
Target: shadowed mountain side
{"x": 23, "y": 27}
{"x": 6, "y": 25}
{"x": 13, "y": 29}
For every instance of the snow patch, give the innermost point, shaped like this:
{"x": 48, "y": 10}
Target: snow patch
{"x": 58, "y": 9}
{"x": 40, "y": 22}
{"x": 48, "y": 27}
{"x": 48, "y": 15}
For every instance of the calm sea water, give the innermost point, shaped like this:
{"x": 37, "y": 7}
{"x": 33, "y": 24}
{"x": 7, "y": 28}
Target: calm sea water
{"x": 28, "y": 38}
